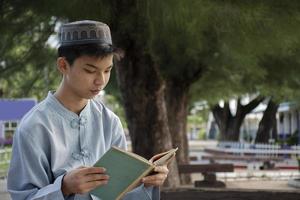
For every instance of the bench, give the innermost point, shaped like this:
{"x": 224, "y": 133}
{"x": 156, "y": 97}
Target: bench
{"x": 209, "y": 172}
{"x": 228, "y": 194}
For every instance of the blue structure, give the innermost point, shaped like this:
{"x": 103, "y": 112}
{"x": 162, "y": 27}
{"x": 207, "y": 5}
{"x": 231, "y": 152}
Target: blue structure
{"x": 13, "y": 111}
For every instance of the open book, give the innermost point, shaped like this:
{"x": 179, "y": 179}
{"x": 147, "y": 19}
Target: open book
{"x": 125, "y": 170}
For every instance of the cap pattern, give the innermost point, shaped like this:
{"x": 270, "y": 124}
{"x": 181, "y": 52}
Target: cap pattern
{"x": 84, "y": 32}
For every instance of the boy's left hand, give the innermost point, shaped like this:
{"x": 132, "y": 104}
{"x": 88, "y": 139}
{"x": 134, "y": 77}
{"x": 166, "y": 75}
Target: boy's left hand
{"x": 157, "y": 179}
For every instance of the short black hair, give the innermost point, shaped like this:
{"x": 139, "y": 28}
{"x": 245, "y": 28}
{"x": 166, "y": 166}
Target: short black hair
{"x": 71, "y": 53}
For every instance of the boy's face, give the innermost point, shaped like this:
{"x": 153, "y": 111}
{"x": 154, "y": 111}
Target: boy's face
{"x": 87, "y": 76}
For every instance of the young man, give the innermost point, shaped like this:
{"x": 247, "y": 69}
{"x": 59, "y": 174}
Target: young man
{"x": 59, "y": 140}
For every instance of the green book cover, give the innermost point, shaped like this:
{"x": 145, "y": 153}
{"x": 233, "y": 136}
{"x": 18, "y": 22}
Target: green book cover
{"x": 125, "y": 170}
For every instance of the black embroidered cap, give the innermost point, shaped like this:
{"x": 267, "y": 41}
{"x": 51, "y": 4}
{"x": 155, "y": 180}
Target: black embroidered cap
{"x": 84, "y": 32}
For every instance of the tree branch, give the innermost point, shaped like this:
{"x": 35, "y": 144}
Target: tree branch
{"x": 252, "y": 104}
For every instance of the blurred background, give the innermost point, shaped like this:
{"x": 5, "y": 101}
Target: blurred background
{"x": 218, "y": 79}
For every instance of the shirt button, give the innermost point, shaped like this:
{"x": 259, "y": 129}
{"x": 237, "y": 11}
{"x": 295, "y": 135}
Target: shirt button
{"x": 82, "y": 120}
{"x": 76, "y": 156}
{"x": 74, "y": 124}
{"x": 85, "y": 153}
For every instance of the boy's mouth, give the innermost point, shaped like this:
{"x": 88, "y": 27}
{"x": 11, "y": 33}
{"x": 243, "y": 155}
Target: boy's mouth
{"x": 95, "y": 91}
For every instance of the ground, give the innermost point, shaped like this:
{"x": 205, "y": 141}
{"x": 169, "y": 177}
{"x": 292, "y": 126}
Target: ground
{"x": 252, "y": 184}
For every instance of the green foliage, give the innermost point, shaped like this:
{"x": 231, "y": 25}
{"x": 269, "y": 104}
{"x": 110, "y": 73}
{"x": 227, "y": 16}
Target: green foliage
{"x": 224, "y": 48}
{"x": 5, "y": 156}
{"x": 27, "y": 63}
{"x": 293, "y": 139}
{"x": 33, "y": 80}
{"x": 196, "y": 121}
{"x": 202, "y": 134}
{"x": 114, "y": 104}
{"x": 250, "y": 35}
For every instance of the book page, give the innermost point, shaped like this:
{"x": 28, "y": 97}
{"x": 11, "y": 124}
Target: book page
{"x": 125, "y": 171}
{"x": 164, "y": 158}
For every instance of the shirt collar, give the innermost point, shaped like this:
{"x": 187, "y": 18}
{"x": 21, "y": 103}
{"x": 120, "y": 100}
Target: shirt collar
{"x": 63, "y": 111}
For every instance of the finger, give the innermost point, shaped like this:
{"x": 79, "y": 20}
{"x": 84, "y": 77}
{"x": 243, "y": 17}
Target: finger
{"x": 93, "y": 184}
{"x": 96, "y": 177}
{"x": 152, "y": 178}
{"x": 156, "y": 157}
{"x": 87, "y": 187}
{"x": 161, "y": 169}
{"x": 154, "y": 183}
{"x": 93, "y": 170}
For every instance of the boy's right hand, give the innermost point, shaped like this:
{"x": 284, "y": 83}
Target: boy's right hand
{"x": 83, "y": 180}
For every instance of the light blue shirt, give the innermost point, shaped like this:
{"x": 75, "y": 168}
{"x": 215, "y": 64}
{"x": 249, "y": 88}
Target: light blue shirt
{"x": 51, "y": 140}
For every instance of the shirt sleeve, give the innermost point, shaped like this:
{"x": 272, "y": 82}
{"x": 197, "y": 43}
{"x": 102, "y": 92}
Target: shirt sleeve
{"x": 141, "y": 192}
{"x": 118, "y": 135}
{"x": 30, "y": 175}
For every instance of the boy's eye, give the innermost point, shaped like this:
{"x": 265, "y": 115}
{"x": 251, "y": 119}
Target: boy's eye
{"x": 107, "y": 71}
{"x": 89, "y": 71}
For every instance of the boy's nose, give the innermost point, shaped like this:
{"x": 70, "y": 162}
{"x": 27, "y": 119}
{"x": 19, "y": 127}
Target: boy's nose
{"x": 100, "y": 79}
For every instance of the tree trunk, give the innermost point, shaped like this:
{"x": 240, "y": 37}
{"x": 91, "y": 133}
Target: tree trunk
{"x": 222, "y": 117}
{"x": 143, "y": 93}
{"x": 176, "y": 98}
{"x": 141, "y": 85}
{"x": 267, "y": 125}
{"x": 230, "y": 125}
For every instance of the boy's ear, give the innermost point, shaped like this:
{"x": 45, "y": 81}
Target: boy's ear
{"x": 62, "y": 65}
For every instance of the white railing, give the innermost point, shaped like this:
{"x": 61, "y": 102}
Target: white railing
{"x": 260, "y": 149}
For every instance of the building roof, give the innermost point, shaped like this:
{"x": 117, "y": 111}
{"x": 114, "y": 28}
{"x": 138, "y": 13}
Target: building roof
{"x": 283, "y": 107}
{"x": 11, "y": 110}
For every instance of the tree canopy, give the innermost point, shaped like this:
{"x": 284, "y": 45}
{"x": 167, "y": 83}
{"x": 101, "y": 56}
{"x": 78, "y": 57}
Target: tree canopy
{"x": 176, "y": 52}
